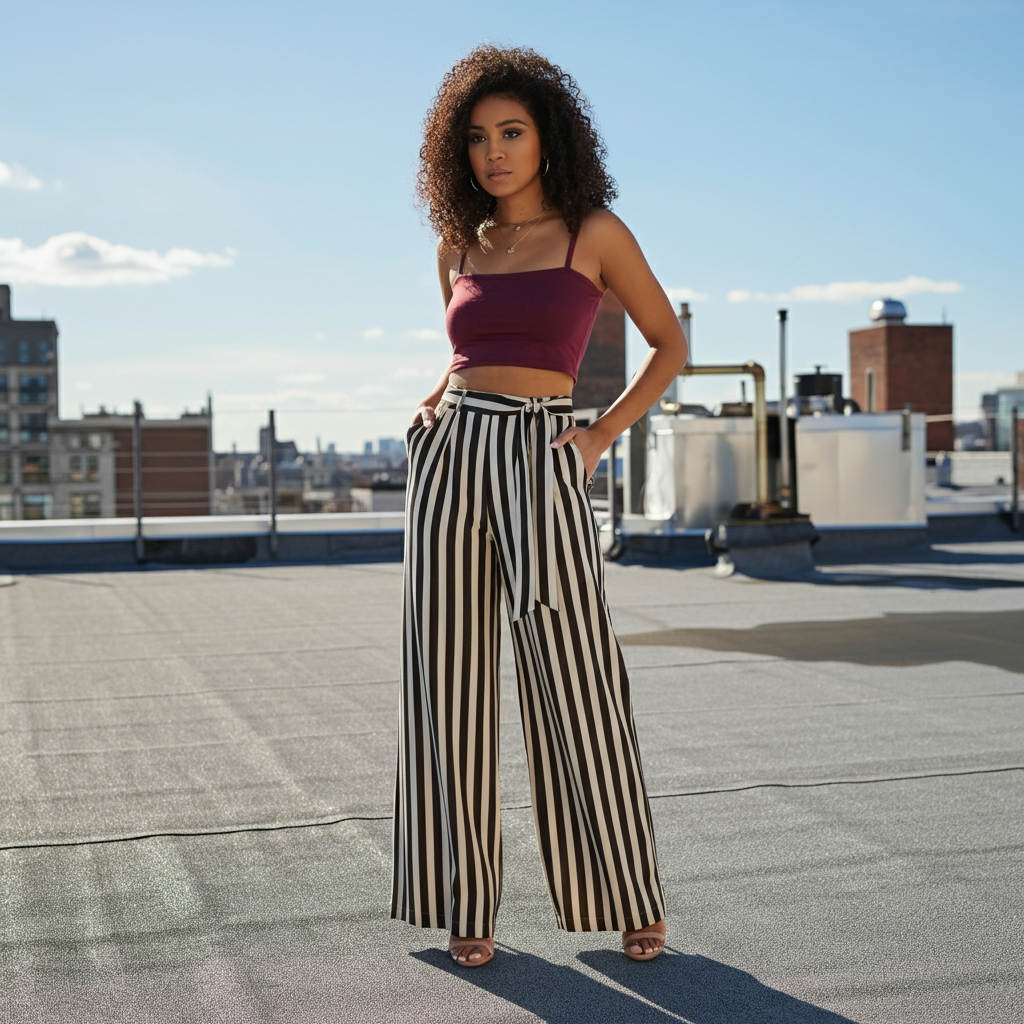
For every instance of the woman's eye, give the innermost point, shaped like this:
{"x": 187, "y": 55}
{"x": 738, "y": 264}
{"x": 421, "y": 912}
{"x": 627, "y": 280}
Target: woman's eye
{"x": 512, "y": 133}
{"x": 477, "y": 138}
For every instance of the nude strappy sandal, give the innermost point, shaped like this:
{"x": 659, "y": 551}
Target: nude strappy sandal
{"x": 628, "y": 938}
{"x": 455, "y": 943}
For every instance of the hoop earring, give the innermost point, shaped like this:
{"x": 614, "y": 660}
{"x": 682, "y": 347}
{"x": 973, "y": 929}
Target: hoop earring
{"x": 472, "y": 183}
{"x": 547, "y": 167}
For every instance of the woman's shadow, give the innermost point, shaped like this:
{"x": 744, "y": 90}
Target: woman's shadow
{"x": 674, "y": 986}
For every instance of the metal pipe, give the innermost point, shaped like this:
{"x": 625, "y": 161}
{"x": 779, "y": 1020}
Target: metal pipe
{"x": 755, "y": 370}
{"x": 783, "y": 415}
{"x": 272, "y": 482}
{"x": 1015, "y": 458}
{"x": 140, "y": 543}
{"x": 615, "y": 548}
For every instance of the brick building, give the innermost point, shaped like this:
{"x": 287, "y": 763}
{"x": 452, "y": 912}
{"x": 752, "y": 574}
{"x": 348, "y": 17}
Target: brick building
{"x": 602, "y": 375}
{"x": 177, "y": 463}
{"x": 894, "y": 364}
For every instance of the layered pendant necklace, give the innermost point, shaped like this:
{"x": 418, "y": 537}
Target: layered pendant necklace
{"x": 510, "y": 247}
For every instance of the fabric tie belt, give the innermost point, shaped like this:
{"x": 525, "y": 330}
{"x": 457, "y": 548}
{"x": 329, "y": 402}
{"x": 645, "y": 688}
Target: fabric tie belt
{"x": 526, "y": 531}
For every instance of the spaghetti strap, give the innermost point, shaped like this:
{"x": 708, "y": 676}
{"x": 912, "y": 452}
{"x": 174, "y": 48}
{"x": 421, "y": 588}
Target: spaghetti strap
{"x": 462, "y": 262}
{"x": 572, "y": 247}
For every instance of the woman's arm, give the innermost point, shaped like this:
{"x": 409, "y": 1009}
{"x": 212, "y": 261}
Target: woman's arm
{"x": 607, "y": 242}
{"x": 425, "y": 410}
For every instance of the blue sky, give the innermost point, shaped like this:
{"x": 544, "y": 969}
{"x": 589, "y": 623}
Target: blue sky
{"x": 256, "y": 162}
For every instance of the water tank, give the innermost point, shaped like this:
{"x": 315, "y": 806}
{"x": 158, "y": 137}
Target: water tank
{"x": 827, "y": 385}
{"x": 888, "y": 311}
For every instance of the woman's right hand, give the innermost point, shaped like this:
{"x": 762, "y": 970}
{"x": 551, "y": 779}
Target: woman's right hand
{"x": 424, "y": 415}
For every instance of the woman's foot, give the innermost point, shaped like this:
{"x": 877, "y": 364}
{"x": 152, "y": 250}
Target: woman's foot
{"x": 470, "y": 952}
{"x": 644, "y": 943}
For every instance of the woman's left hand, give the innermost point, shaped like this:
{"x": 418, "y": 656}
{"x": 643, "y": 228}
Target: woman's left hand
{"x": 590, "y": 446}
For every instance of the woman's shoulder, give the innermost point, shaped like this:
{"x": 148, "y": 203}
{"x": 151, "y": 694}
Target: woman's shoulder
{"x": 601, "y": 231}
{"x": 447, "y": 257}
{"x": 603, "y": 225}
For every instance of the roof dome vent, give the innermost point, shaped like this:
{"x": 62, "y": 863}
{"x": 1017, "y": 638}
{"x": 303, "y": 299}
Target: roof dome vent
{"x": 888, "y": 311}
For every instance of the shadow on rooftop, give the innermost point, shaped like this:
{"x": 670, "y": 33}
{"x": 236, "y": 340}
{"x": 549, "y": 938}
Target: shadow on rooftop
{"x": 705, "y": 991}
{"x": 986, "y": 638}
{"x": 692, "y": 987}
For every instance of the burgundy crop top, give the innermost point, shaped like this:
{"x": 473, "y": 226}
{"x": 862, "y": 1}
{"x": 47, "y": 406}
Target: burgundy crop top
{"x": 536, "y": 318}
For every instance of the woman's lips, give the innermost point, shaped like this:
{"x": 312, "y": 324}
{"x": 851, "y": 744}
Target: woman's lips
{"x": 498, "y": 175}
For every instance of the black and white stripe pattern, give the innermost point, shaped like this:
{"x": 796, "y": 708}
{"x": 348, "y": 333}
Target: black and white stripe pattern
{"x": 493, "y": 511}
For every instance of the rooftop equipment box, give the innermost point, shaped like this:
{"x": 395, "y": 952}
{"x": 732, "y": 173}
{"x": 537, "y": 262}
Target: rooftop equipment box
{"x": 861, "y": 470}
{"x": 698, "y": 468}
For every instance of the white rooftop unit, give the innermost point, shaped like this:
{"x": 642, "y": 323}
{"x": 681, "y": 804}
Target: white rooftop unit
{"x": 861, "y": 470}
{"x": 698, "y": 468}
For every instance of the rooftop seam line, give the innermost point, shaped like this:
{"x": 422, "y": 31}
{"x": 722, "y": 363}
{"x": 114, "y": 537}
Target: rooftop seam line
{"x": 838, "y": 782}
{"x": 505, "y": 807}
{"x": 193, "y": 835}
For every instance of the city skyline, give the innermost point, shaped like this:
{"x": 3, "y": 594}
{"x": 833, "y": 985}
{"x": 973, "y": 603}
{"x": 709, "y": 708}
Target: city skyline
{"x": 219, "y": 202}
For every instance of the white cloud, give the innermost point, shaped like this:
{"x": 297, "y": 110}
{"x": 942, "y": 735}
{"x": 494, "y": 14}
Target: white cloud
{"x": 77, "y": 260}
{"x": 303, "y": 378}
{"x": 426, "y": 334}
{"x": 685, "y": 295}
{"x": 319, "y": 335}
{"x": 15, "y": 176}
{"x": 852, "y": 291}
{"x": 406, "y": 372}
{"x": 374, "y": 332}
{"x": 82, "y": 386}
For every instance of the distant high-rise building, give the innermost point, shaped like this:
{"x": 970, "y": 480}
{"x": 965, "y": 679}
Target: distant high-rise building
{"x": 28, "y": 404}
{"x": 894, "y": 364}
{"x": 1006, "y": 400}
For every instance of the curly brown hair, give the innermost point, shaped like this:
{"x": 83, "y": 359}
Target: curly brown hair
{"x": 576, "y": 182}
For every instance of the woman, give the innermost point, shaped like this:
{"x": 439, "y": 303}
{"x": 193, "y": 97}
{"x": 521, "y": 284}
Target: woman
{"x": 512, "y": 175}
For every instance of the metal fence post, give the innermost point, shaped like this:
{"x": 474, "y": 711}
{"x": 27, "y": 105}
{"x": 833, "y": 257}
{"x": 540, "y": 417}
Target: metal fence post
{"x": 1015, "y": 475}
{"x": 140, "y": 543}
{"x": 272, "y": 482}
{"x": 615, "y": 549}
{"x": 784, "y": 488}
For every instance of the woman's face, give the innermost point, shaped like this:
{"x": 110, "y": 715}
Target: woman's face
{"x": 504, "y": 145}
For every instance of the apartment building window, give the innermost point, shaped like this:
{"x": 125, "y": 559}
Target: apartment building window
{"x": 24, "y": 352}
{"x": 33, "y": 426}
{"x": 5, "y": 430}
{"x": 32, "y": 388}
{"x": 85, "y": 506}
{"x": 83, "y": 467}
{"x": 37, "y": 506}
{"x": 3, "y": 387}
{"x": 35, "y": 469}
{"x": 44, "y": 351}
{"x": 869, "y": 387}
{"x": 6, "y": 506}
{"x": 74, "y": 441}
{"x": 96, "y": 441}
{"x": 5, "y": 467}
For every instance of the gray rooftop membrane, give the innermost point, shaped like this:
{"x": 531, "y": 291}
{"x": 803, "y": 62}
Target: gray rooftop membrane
{"x": 199, "y": 768}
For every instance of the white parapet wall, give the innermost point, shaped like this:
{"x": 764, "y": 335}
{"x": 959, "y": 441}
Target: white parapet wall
{"x": 857, "y": 471}
{"x": 176, "y": 527}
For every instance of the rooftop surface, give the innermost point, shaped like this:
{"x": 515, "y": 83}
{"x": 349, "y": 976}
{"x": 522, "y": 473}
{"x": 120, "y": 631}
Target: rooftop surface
{"x": 198, "y": 766}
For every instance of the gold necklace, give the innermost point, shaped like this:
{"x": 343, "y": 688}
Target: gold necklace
{"x": 512, "y": 248}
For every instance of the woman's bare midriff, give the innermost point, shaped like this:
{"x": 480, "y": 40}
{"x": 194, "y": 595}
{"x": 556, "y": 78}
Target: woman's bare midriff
{"x": 513, "y": 380}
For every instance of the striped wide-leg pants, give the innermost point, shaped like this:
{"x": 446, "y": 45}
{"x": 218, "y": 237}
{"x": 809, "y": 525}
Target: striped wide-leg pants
{"x": 493, "y": 512}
